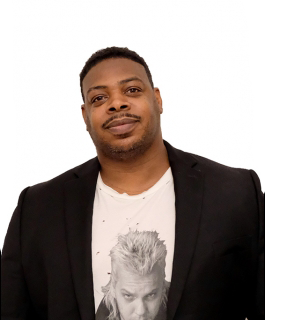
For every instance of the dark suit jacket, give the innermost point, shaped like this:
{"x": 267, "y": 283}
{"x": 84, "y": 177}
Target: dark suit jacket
{"x": 218, "y": 260}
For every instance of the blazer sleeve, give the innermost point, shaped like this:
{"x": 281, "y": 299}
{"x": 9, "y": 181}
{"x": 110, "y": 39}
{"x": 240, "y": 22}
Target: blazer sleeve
{"x": 14, "y": 293}
{"x": 259, "y": 305}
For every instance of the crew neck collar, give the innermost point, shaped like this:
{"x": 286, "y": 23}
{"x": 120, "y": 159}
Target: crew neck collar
{"x": 165, "y": 179}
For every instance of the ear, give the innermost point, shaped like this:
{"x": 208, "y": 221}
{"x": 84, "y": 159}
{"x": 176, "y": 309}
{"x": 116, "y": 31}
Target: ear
{"x": 84, "y": 115}
{"x": 158, "y": 99}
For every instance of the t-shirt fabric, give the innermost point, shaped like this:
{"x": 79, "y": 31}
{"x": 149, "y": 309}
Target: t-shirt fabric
{"x": 116, "y": 214}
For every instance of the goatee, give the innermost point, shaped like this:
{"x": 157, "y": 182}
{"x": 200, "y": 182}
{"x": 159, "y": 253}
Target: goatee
{"x": 125, "y": 153}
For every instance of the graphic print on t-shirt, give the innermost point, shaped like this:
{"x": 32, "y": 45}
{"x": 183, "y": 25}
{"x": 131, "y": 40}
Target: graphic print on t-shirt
{"x": 137, "y": 288}
{"x": 117, "y": 215}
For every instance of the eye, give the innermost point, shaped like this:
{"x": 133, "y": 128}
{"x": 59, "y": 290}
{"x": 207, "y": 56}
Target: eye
{"x": 151, "y": 296}
{"x": 133, "y": 90}
{"x": 128, "y": 297}
{"x": 98, "y": 98}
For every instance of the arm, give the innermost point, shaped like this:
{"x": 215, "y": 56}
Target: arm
{"x": 259, "y": 306}
{"x": 14, "y": 295}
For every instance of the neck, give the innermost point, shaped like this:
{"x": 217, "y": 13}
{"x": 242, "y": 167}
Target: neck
{"x": 137, "y": 175}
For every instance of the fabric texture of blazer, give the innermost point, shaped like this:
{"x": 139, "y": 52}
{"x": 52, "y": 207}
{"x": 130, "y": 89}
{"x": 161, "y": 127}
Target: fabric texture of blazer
{"x": 218, "y": 266}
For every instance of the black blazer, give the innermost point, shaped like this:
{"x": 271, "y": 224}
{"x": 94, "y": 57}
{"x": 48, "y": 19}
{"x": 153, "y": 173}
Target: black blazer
{"x": 219, "y": 248}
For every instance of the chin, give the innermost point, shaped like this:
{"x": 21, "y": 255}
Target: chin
{"x": 125, "y": 148}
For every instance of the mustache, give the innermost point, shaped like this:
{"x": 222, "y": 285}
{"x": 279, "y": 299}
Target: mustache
{"x": 119, "y": 116}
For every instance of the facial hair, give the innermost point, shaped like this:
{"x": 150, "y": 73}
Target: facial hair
{"x": 130, "y": 152}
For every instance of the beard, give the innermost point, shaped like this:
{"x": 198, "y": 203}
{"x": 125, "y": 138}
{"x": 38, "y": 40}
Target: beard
{"x": 128, "y": 151}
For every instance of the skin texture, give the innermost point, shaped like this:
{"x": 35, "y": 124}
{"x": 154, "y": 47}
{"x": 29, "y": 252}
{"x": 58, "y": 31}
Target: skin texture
{"x": 139, "y": 297}
{"x": 132, "y": 155}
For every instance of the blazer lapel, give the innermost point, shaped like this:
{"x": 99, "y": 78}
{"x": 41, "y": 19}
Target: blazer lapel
{"x": 188, "y": 186}
{"x": 79, "y": 199}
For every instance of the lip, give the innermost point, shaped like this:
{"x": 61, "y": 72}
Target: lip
{"x": 120, "y": 122}
{"x": 122, "y": 126}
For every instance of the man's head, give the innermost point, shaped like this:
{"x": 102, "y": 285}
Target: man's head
{"x": 137, "y": 288}
{"x": 121, "y": 106}
{"x": 112, "y": 52}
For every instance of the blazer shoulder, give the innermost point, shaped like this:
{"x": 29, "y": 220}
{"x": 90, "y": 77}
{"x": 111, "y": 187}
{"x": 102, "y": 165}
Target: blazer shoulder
{"x": 58, "y": 181}
{"x": 212, "y": 170}
{"x": 241, "y": 180}
{"x": 201, "y": 163}
{"x": 209, "y": 164}
{"x": 215, "y": 173}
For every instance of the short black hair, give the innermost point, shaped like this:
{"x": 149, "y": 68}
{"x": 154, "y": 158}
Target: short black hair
{"x": 113, "y": 52}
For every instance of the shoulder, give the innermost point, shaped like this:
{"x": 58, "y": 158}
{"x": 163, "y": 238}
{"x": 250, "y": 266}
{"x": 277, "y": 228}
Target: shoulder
{"x": 219, "y": 170}
{"x": 229, "y": 196}
{"x": 102, "y": 311}
{"x": 55, "y": 184}
{"x": 227, "y": 180}
{"x": 202, "y": 164}
{"x": 217, "y": 177}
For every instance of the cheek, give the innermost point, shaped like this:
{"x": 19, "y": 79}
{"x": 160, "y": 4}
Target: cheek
{"x": 122, "y": 303}
{"x": 95, "y": 119}
{"x": 96, "y": 125}
{"x": 125, "y": 308}
{"x": 153, "y": 306}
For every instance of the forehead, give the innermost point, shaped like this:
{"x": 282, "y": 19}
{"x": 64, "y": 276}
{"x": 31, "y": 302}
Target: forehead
{"x": 112, "y": 70}
{"x": 127, "y": 278}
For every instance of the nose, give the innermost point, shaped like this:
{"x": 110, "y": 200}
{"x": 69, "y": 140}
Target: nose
{"x": 119, "y": 103}
{"x": 140, "y": 308}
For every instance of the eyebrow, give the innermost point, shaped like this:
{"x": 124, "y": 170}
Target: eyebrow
{"x": 125, "y": 291}
{"x": 130, "y": 79}
{"x": 119, "y": 82}
{"x": 152, "y": 291}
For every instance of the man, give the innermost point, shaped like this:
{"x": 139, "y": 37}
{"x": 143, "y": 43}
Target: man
{"x": 210, "y": 216}
{"x": 137, "y": 288}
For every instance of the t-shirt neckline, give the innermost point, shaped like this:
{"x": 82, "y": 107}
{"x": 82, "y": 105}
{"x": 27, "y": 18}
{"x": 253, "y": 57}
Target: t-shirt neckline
{"x": 165, "y": 179}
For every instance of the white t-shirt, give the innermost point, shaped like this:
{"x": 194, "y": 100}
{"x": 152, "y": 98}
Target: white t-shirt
{"x": 115, "y": 213}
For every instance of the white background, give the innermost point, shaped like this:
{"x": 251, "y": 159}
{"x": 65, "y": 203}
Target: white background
{"x": 221, "y": 67}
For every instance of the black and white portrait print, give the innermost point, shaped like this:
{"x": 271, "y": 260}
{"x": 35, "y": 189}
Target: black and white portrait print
{"x": 137, "y": 288}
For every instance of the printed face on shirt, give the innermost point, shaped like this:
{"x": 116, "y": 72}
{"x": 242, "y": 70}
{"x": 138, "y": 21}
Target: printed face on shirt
{"x": 121, "y": 109}
{"x": 139, "y": 297}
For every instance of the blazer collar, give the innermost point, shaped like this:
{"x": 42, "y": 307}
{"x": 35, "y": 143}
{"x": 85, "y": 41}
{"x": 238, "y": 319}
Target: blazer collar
{"x": 188, "y": 186}
{"x": 79, "y": 199}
